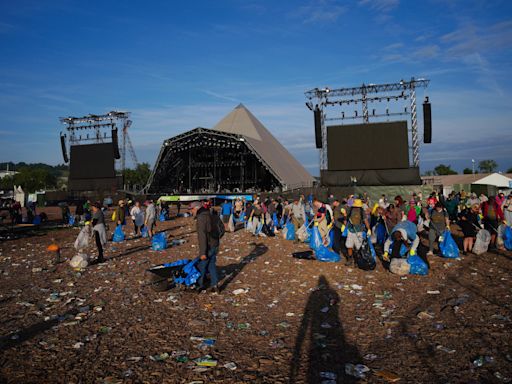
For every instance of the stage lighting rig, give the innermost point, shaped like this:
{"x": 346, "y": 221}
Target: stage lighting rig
{"x": 327, "y": 98}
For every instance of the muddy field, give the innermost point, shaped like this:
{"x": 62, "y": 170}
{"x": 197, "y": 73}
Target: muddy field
{"x": 289, "y": 320}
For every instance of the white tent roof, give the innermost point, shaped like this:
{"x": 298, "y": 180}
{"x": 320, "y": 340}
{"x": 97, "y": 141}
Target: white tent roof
{"x": 495, "y": 179}
{"x": 287, "y": 169}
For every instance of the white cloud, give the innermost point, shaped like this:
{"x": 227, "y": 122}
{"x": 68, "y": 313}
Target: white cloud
{"x": 319, "y": 11}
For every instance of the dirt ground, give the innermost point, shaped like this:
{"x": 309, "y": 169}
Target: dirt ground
{"x": 296, "y": 321}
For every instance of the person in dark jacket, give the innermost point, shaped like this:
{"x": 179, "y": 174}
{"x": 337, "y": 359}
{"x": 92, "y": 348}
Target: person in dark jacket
{"x": 208, "y": 239}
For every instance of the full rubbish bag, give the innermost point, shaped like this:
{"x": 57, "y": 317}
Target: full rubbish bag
{"x": 290, "y": 231}
{"x": 418, "y": 265}
{"x": 448, "y": 246}
{"x": 316, "y": 239}
{"x": 324, "y": 254}
{"x": 507, "y": 238}
{"x": 118, "y": 234}
{"x": 365, "y": 257}
{"x": 159, "y": 242}
{"x": 483, "y": 239}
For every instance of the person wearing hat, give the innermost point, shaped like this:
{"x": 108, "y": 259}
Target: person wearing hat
{"x": 208, "y": 236}
{"x": 357, "y": 223}
{"x": 404, "y": 233}
{"x": 150, "y": 217}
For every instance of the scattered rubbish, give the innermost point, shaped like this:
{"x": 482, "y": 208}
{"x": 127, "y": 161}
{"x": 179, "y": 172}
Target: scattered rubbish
{"x": 387, "y": 375}
{"x": 231, "y": 366}
{"x": 356, "y": 287}
{"x": 240, "y": 291}
{"x": 244, "y": 326}
{"x": 290, "y": 314}
{"x": 370, "y": 357}
{"x": 161, "y": 357}
{"x": 277, "y": 344}
{"x": 425, "y": 315}
{"x": 328, "y": 375}
{"x": 135, "y": 359}
{"x": 324, "y": 310}
{"x": 445, "y": 349}
{"x": 178, "y": 242}
{"x": 433, "y": 292}
{"x": 206, "y": 361}
{"x": 480, "y": 361}
{"x": 356, "y": 370}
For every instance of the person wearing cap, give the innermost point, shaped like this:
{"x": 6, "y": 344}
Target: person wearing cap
{"x": 323, "y": 219}
{"x": 150, "y": 217}
{"x": 357, "y": 223}
{"x": 208, "y": 240}
{"x": 99, "y": 230}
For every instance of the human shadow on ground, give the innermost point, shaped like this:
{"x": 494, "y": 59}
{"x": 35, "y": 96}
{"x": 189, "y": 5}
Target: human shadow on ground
{"x": 13, "y": 339}
{"x": 229, "y": 272}
{"x": 321, "y": 334}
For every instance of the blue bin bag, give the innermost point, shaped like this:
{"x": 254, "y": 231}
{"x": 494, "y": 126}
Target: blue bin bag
{"x": 324, "y": 254}
{"x": 290, "y": 231}
{"x": 159, "y": 242}
{"x": 162, "y": 216}
{"x": 315, "y": 239}
{"x": 241, "y": 218}
{"x": 190, "y": 273}
{"x": 448, "y": 246}
{"x": 144, "y": 231}
{"x": 118, "y": 234}
{"x": 381, "y": 233}
{"x": 331, "y": 238}
{"x": 71, "y": 220}
{"x": 37, "y": 220}
{"x": 418, "y": 266}
{"x": 507, "y": 238}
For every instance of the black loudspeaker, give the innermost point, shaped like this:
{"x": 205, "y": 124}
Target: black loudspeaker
{"x": 318, "y": 127}
{"x": 63, "y": 147}
{"x": 427, "y": 122}
{"x": 117, "y": 155}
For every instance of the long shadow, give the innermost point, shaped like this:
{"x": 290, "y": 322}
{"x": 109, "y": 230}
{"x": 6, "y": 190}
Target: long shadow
{"x": 129, "y": 251}
{"x": 14, "y": 339}
{"x": 231, "y": 271}
{"x": 321, "y": 331}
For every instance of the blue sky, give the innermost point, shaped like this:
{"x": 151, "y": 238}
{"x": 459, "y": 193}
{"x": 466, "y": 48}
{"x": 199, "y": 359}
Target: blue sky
{"x": 179, "y": 65}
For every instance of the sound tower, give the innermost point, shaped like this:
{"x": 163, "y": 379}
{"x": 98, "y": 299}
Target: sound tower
{"x": 318, "y": 127}
{"x": 63, "y": 147}
{"x": 117, "y": 155}
{"x": 427, "y": 122}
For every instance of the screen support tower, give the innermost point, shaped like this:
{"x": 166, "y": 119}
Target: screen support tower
{"x": 327, "y": 99}
{"x": 95, "y": 129}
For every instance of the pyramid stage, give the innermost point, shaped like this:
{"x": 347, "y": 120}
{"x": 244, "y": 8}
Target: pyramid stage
{"x": 238, "y": 155}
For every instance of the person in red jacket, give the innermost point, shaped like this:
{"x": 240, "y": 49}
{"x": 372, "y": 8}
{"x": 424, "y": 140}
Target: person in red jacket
{"x": 493, "y": 216}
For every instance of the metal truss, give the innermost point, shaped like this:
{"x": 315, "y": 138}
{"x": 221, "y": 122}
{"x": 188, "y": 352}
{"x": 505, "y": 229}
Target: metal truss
{"x": 327, "y": 98}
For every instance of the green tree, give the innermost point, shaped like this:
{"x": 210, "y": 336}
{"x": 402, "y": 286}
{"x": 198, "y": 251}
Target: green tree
{"x": 487, "y": 166}
{"x": 34, "y": 179}
{"x": 467, "y": 171}
{"x": 509, "y": 170}
{"x": 138, "y": 176}
{"x": 442, "y": 169}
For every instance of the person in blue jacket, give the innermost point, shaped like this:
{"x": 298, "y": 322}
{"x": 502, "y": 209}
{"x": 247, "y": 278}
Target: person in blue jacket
{"x": 226, "y": 211}
{"x": 404, "y": 233}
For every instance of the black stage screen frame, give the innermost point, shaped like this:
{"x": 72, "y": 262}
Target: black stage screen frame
{"x": 368, "y": 146}
{"x": 92, "y": 161}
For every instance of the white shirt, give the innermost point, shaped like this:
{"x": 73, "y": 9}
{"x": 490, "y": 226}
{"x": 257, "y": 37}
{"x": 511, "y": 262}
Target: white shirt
{"x": 137, "y": 215}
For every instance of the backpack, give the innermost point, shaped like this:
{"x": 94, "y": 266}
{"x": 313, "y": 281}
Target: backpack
{"x": 217, "y": 229}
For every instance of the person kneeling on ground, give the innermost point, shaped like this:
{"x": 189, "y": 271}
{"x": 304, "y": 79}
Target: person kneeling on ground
{"x": 404, "y": 233}
{"x": 208, "y": 235}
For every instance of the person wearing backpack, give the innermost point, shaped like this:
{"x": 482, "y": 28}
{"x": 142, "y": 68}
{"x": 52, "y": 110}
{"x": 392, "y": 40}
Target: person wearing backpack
{"x": 356, "y": 223}
{"x": 210, "y": 229}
